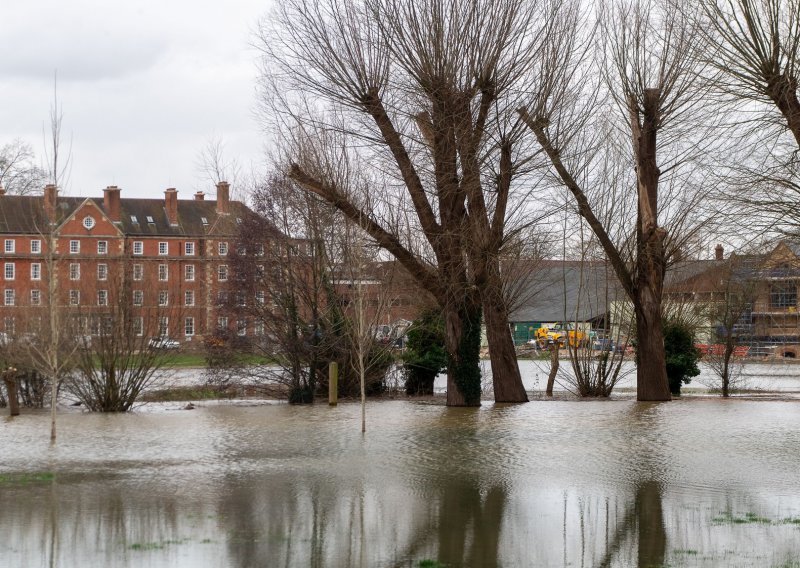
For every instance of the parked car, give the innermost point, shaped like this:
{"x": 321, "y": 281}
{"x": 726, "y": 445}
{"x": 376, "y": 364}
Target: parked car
{"x": 163, "y": 343}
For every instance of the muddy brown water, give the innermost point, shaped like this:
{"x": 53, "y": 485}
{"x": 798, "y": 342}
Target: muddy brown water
{"x": 606, "y": 483}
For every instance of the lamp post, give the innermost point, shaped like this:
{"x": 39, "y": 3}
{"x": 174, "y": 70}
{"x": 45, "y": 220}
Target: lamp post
{"x": 10, "y": 379}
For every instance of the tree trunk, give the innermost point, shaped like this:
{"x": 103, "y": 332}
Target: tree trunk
{"x": 551, "y": 378}
{"x": 11, "y": 389}
{"x": 463, "y": 341}
{"x": 651, "y": 364}
{"x": 783, "y": 92}
{"x": 506, "y": 378}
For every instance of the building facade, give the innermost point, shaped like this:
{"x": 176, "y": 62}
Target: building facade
{"x": 166, "y": 260}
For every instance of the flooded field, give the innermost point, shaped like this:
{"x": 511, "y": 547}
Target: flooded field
{"x": 695, "y": 482}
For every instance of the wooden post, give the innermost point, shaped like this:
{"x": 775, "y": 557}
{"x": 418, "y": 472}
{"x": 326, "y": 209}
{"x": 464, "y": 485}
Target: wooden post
{"x": 10, "y": 379}
{"x": 333, "y": 383}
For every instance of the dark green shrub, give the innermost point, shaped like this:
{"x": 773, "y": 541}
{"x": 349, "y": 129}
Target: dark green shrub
{"x": 425, "y": 355}
{"x": 681, "y": 355}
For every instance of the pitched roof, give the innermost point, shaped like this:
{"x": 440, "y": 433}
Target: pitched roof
{"x": 25, "y": 215}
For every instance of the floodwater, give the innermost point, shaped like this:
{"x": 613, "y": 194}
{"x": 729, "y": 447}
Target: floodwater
{"x": 696, "y": 482}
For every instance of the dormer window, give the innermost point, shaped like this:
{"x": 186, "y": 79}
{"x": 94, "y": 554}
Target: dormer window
{"x": 204, "y": 220}
{"x": 134, "y": 219}
{"x": 150, "y": 220}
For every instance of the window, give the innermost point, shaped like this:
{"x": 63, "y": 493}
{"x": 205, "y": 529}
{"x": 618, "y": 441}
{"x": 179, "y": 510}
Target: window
{"x": 151, "y": 220}
{"x": 783, "y": 295}
{"x": 138, "y": 247}
{"x": 260, "y": 271}
{"x": 260, "y": 250}
{"x": 204, "y": 220}
{"x": 36, "y": 246}
{"x": 163, "y": 326}
{"x": 138, "y": 326}
{"x": 36, "y": 271}
{"x": 102, "y": 272}
{"x": 188, "y": 298}
{"x": 134, "y": 219}
{"x": 138, "y": 271}
{"x": 188, "y": 326}
{"x": 188, "y": 249}
{"x": 102, "y": 297}
{"x": 222, "y": 248}
{"x": 9, "y": 297}
{"x": 222, "y": 273}
{"x": 138, "y": 297}
{"x": 74, "y": 271}
{"x": 222, "y": 322}
{"x": 163, "y": 298}
{"x": 163, "y": 272}
{"x": 10, "y": 324}
{"x": 88, "y": 222}
{"x": 240, "y": 299}
{"x": 241, "y": 250}
{"x": 10, "y": 246}
{"x": 163, "y": 248}
{"x": 36, "y": 297}
{"x": 258, "y": 328}
{"x": 241, "y": 327}
{"x": 260, "y": 296}
{"x": 9, "y": 271}
{"x": 102, "y": 247}
{"x": 188, "y": 272}
{"x": 222, "y": 297}
{"x": 74, "y": 297}
{"x": 74, "y": 247}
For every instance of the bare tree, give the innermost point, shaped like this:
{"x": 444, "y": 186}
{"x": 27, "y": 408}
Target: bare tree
{"x": 647, "y": 54}
{"x": 215, "y": 166}
{"x": 19, "y": 173}
{"x": 408, "y": 128}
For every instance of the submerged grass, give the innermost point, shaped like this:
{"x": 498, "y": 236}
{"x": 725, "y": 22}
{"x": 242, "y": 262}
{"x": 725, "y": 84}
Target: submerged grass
{"x": 21, "y": 478}
{"x": 727, "y": 518}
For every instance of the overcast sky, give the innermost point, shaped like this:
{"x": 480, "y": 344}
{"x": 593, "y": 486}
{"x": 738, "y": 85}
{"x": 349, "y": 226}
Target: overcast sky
{"x": 143, "y": 86}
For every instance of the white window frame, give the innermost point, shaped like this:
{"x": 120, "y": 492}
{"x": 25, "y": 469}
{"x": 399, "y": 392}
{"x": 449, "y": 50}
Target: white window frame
{"x": 102, "y": 271}
{"x": 138, "y": 272}
{"x": 74, "y": 247}
{"x": 74, "y": 271}
{"x": 163, "y": 248}
{"x": 36, "y": 246}
{"x": 163, "y": 326}
{"x": 36, "y": 297}
{"x": 222, "y": 273}
{"x": 222, "y": 248}
{"x": 241, "y": 327}
{"x": 102, "y": 297}
{"x": 188, "y": 248}
{"x": 74, "y": 297}
{"x": 138, "y": 326}
{"x": 102, "y": 247}
{"x": 188, "y": 272}
{"x": 138, "y": 248}
{"x": 10, "y": 271}
{"x": 188, "y": 326}
{"x": 36, "y": 271}
{"x": 10, "y": 297}
{"x": 138, "y": 297}
{"x": 163, "y": 298}
{"x": 261, "y": 297}
{"x": 163, "y": 272}
{"x": 188, "y": 298}
{"x": 222, "y": 322}
{"x": 10, "y": 246}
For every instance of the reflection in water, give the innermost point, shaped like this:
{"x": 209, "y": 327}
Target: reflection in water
{"x": 552, "y": 484}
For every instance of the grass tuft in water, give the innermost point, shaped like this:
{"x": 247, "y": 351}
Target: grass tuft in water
{"x": 39, "y": 477}
{"x": 431, "y": 564}
{"x": 728, "y": 518}
{"x": 688, "y": 552}
{"x": 155, "y": 545}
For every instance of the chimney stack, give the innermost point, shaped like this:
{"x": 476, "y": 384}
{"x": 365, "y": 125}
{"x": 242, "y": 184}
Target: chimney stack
{"x": 111, "y": 203}
{"x": 50, "y": 198}
{"x": 171, "y": 205}
{"x": 223, "y": 195}
{"x": 199, "y": 196}
{"x": 719, "y": 252}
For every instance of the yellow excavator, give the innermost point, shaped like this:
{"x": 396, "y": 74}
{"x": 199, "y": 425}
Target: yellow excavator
{"x": 559, "y": 333}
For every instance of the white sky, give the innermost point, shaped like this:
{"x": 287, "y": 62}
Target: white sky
{"x": 143, "y": 86}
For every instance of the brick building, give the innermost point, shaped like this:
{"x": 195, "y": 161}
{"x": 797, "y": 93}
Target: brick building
{"x": 167, "y": 258}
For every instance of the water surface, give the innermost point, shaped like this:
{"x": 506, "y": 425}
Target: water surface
{"x": 586, "y": 483}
